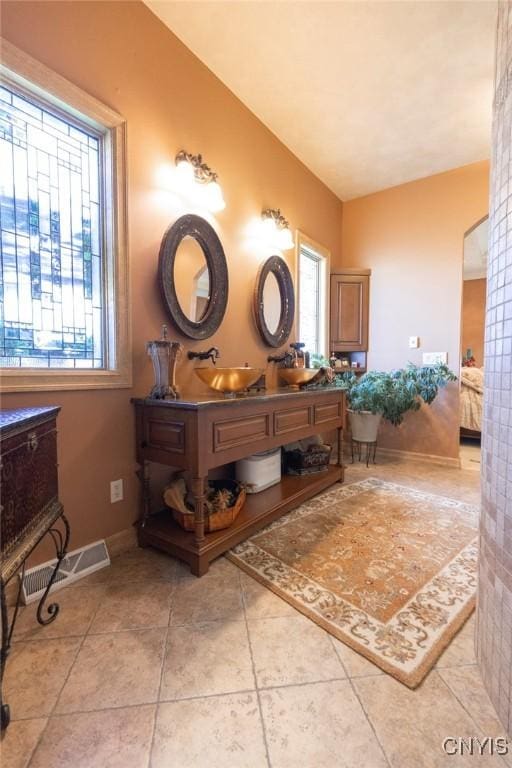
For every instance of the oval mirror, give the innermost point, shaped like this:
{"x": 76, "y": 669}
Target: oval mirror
{"x": 274, "y": 301}
{"x": 193, "y": 276}
{"x": 271, "y": 302}
{"x": 191, "y": 279}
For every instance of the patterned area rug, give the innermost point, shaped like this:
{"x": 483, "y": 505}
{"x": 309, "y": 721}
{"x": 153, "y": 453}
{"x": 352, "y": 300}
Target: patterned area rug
{"x": 389, "y": 570}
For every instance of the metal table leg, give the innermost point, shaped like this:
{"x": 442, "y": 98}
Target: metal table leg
{"x": 61, "y": 540}
{"x": 370, "y": 447}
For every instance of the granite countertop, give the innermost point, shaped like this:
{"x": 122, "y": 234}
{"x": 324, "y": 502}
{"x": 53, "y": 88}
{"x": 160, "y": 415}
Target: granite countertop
{"x": 194, "y": 402}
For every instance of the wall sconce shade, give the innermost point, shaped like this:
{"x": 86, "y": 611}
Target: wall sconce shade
{"x": 199, "y": 180}
{"x": 277, "y": 228}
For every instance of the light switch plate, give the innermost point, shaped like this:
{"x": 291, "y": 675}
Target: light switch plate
{"x": 433, "y": 358}
{"x": 116, "y": 491}
{"x": 414, "y": 342}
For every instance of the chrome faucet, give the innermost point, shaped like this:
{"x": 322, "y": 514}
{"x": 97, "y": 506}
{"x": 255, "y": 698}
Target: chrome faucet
{"x": 212, "y": 354}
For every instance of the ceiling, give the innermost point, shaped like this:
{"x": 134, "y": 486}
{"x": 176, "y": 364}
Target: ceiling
{"x": 475, "y": 251}
{"x": 367, "y": 94}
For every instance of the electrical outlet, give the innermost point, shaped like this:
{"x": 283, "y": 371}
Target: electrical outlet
{"x": 414, "y": 342}
{"x": 116, "y": 491}
{"x": 433, "y": 358}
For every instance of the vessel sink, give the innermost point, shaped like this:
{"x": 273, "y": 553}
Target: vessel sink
{"x": 297, "y": 376}
{"x": 229, "y": 380}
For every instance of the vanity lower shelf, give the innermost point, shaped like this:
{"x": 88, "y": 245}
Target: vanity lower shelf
{"x": 260, "y": 509}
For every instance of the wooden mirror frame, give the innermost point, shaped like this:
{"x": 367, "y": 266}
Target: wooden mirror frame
{"x": 198, "y": 228}
{"x": 279, "y": 269}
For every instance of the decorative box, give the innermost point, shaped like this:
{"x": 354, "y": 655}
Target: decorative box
{"x": 315, "y": 458}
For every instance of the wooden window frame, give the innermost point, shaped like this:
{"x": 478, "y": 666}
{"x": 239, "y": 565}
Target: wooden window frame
{"x": 301, "y": 241}
{"x": 19, "y": 70}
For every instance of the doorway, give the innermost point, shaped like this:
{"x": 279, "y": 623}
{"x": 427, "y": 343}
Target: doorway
{"x": 474, "y": 292}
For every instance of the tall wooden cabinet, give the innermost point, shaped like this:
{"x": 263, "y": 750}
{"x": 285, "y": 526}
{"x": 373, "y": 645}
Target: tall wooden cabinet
{"x": 350, "y": 294}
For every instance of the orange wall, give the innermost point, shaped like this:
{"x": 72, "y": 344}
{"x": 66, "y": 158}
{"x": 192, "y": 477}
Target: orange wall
{"x": 411, "y": 236}
{"x": 473, "y": 318}
{"x": 122, "y": 54}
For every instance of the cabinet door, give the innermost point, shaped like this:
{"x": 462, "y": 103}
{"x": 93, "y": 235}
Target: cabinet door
{"x": 349, "y": 312}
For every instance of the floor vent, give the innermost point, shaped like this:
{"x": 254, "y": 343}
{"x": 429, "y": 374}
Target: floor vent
{"x": 75, "y": 565}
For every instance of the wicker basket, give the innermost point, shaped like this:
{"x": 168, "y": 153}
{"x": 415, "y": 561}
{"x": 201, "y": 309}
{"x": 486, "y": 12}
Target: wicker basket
{"x": 314, "y": 459}
{"x": 215, "y": 520}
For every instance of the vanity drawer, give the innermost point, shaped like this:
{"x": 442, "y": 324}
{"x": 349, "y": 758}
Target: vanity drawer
{"x": 292, "y": 419}
{"x": 165, "y": 434}
{"x": 327, "y": 412}
{"x": 244, "y": 430}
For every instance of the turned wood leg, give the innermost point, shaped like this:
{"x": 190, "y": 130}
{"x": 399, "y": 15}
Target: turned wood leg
{"x": 145, "y": 493}
{"x": 340, "y": 454}
{"x": 198, "y": 494}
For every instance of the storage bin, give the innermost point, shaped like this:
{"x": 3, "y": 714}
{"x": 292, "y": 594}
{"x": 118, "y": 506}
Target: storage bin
{"x": 259, "y": 471}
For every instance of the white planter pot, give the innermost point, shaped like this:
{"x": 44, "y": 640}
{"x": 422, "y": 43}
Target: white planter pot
{"x": 364, "y": 425}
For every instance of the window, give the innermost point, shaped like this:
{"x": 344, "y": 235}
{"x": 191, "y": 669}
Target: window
{"x": 313, "y": 268}
{"x": 63, "y": 318}
{"x": 51, "y": 244}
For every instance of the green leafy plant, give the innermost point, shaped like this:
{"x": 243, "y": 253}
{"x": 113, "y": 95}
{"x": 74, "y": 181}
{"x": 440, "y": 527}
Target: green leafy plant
{"x": 394, "y": 393}
{"x": 319, "y": 361}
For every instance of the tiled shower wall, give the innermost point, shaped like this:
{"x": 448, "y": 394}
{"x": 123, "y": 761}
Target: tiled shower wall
{"x": 494, "y": 612}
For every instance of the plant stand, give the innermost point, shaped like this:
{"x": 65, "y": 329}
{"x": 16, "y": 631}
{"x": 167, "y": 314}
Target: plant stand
{"x": 371, "y": 450}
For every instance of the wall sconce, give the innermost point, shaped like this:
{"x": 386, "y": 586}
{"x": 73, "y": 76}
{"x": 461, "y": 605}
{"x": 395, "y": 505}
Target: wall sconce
{"x": 199, "y": 181}
{"x": 277, "y": 229}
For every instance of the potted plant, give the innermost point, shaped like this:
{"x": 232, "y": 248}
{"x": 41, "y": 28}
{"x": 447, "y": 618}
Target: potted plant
{"x": 325, "y": 376}
{"x": 390, "y": 395}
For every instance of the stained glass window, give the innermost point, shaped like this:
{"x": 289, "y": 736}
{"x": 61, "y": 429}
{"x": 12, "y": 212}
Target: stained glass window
{"x": 51, "y": 275}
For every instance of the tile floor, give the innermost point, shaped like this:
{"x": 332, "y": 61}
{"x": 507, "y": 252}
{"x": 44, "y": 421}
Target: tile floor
{"x": 149, "y": 666}
{"x": 470, "y": 453}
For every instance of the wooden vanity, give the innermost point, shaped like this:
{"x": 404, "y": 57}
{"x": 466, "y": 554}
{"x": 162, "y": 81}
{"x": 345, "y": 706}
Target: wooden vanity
{"x": 202, "y": 433}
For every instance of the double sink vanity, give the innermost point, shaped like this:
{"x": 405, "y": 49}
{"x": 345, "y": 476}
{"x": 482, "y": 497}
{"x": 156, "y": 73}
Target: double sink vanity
{"x": 197, "y": 434}
{"x": 202, "y": 433}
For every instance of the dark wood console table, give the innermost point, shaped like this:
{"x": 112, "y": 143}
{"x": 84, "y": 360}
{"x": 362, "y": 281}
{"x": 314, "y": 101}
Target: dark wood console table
{"x": 202, "y": 433}
{"x": 30, "y": 508}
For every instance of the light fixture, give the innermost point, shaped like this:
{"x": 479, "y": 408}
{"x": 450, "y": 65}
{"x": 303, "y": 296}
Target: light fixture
{"x": 199, "y": 181}
{"x": 277, "y": 229}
